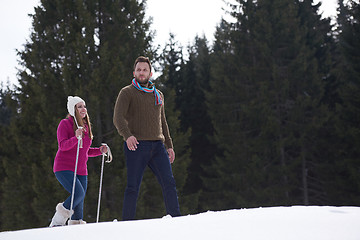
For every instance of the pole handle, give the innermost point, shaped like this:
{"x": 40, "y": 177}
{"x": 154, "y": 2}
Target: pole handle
{"x": 108, "y": 154}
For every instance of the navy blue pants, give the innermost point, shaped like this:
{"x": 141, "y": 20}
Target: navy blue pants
{"x": 154, "y": 155}
{"x": 66, "y": 179}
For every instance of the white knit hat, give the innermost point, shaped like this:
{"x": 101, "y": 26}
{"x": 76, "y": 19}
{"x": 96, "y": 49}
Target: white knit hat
{"x": 72, "y": 101}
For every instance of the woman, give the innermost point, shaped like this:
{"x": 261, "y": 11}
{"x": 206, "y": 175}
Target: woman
{"x": 76, "y": 125}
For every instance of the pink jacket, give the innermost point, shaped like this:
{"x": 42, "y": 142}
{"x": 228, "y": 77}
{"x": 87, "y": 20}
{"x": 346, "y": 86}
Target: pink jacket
{"x": 66, "y": 155}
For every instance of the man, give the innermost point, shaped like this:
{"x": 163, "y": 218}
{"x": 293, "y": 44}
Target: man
{"x": 139, "y": 117}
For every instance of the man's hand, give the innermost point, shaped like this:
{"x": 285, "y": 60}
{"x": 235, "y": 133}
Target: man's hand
{"x": 132, "y": 143}
{"x": 171, "y": 155}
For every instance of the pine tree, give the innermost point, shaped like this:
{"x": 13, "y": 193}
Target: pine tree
{"x": 5, "y": 111}
{"x": 346, "y": 168}
{"x": 194, "y": 84}
{"x": 84, "y": 48}
{"x": 5, "y": 146}
{"x": 268, "y": 87}
{"x": 171, "y": 61}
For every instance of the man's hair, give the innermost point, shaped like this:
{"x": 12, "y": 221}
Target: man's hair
{"x": 142, "y": 59}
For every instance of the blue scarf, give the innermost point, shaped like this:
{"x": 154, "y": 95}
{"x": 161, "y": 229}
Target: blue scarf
{"x": 158, "y": 100}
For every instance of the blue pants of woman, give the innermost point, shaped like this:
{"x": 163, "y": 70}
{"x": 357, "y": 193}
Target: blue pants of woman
{"x": 66, "y": 179}
{"x": 154, "y": 155}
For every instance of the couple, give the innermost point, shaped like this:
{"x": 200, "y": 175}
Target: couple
{"x": 139, "y": 117}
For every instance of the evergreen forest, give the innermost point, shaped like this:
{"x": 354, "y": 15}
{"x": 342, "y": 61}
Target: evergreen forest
{"x": 268, "y": 114}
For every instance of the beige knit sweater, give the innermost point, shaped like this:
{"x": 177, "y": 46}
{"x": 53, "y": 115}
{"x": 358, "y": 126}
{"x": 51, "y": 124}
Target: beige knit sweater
{"x": 135, "y": 114}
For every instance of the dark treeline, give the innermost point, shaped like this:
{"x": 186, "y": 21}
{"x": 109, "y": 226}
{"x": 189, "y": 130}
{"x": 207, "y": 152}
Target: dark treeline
{"x": 267, "y": 115}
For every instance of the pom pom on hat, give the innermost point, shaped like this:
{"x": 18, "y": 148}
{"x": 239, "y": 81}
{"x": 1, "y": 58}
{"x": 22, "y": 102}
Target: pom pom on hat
{"x": 72, "y": 101}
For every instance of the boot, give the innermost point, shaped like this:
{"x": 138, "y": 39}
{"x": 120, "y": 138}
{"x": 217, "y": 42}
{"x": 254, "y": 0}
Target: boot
{"x": 76, "y": 222}
{"x": 61, "y": 216}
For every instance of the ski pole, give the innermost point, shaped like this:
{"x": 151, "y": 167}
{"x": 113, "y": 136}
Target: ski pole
{"x": 101, "y": 177}
{"x": 75, "y": 171}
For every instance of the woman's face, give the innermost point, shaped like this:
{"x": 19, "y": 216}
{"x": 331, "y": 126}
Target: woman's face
{"x": 81, "y": 108}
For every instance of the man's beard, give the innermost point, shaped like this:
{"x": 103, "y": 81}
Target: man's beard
{"x": 143, "y": 82}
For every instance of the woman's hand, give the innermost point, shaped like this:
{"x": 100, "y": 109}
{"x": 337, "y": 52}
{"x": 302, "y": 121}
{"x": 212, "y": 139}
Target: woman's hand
{"x": 103, "y": 149}
{"x": 79, "y": 133}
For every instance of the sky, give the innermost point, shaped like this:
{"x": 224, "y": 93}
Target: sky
{"x": 271, "y": 223}
{"x": 168, "y": 16}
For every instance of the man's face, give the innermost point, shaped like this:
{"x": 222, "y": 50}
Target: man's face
{"x": 142, "y": 72}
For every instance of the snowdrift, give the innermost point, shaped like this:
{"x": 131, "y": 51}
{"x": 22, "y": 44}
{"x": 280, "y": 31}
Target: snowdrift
{"x": 278, "y": 223}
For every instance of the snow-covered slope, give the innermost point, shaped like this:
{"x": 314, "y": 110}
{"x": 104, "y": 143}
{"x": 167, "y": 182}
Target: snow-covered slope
{"x": 278, "y": 223}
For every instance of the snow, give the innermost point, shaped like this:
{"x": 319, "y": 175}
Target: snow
{"x": 277, "y": 223}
